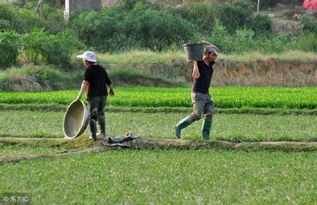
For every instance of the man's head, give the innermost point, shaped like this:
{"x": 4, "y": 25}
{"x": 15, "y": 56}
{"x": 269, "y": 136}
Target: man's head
{"x": 89, "y": 58}
{"x": 211, "y": 53}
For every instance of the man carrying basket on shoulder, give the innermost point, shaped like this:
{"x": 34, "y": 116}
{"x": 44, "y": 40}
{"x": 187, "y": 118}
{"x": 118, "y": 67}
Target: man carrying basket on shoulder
{"x": 203, "y": 106}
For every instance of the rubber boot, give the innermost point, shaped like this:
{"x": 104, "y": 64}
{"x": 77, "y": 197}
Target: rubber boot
{"x": 93, "y": 129}
{"x": 182, "y": 124}
{"x": 206, "y": 128}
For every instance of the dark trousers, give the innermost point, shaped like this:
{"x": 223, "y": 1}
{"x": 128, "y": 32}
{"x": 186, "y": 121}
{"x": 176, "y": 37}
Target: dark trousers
{"x": 96, "y": 108}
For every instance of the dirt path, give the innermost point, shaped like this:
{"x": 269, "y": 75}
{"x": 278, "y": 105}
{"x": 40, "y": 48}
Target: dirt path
{"x": 83, "y": 145}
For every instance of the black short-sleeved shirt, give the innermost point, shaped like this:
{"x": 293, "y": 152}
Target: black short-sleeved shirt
{"x": 202, "y": 84}
{"x": 98, "y": 79}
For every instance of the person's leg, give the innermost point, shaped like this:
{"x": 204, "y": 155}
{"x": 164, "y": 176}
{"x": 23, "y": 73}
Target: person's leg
{"x": 101, "y": 115}
{"x": 208, "y": 114}
{"x": 198, "y": 109}
{"x": 93, "y": 109}
{"x": 182, "y": 124}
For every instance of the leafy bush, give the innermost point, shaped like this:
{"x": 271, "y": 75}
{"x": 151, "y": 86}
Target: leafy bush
{"x": 158, "y": 29}
{"x": 18, "y": 19}
{"x": 34, "y": 78}
{"x": 23, "y": 20}
{"x": 243, "y": 41}
{"x": 310, "y": 25}
{"x": 140, "y": 4}
{"x": 100, "y": 29}
{"x": 53, "y": 20}
{"x": 235, "y": 15}
{"x": 261, "y": 24}
{"x": 117, "y": 29}
{"x": 200, "y": 14}
{"x": 304, "y": 42}
{"x": 7, "y": 16}
{"x": 9, "y": 44}
{"x": 221, "y": 37}
{"x": 42, "y": 47}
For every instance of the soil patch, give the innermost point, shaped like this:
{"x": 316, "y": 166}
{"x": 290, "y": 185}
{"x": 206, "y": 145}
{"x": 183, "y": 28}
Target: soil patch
{"x": 81, "y": 146}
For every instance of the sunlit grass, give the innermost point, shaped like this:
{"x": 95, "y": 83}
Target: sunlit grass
{"x": 137, "y": 56}
{"x": 224, "y": 97}
{"x": 147, "y": 56}
{"x": 166, "y": 177}
{"x": 231, "y": 127}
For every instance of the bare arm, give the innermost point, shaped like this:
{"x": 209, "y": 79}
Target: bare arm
{"x": 196, "y": 73}
{"x": 84, "y": 88}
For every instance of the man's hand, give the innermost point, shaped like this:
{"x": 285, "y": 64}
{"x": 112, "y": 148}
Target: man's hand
{"x": 111, "y": 92}
{"x": 206, "y": 43}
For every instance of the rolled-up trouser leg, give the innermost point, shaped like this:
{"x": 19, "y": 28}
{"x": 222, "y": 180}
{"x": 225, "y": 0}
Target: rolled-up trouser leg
{"x": 182, "y": 124}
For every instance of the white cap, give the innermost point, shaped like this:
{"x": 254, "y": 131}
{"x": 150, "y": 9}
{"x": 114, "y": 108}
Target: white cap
{"x": 88, "y": 56}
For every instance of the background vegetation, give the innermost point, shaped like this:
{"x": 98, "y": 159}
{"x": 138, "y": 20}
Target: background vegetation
{"x": 225, "y": 97}
{"x": 139, "y": 24}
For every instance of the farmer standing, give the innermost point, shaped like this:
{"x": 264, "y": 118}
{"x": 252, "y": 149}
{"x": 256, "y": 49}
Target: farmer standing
{"x": 203, "y": 106}
{"x": 95, "y": 84}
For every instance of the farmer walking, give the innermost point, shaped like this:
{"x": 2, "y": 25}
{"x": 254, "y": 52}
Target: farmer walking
{"x": 95, "y": 84}
{"x": 203, "y": 106}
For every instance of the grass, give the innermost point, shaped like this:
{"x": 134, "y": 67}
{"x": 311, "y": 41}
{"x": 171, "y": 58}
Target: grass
{"x": 6, "y": 150}
{"x": 146, "y": 57}
{"x": 166, "y": 177}
{"x": 35, "y": 77}
{"x": 224, "y": 97}
{"x": 243, "y": 110}
{"x": 230, "y": 127}
{"x": 138, "y": 56}
{"x": 293, "y": 56}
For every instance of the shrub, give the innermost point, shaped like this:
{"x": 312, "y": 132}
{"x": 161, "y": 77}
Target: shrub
{"x": 200, "y": 14}
{"x": 102, "y": 30}
{"x": 42, "y": 47}
{"x": 158, "y": 29}
{"x": 117, "y": 29}
{"x": 235, "y": 15}
{"x": 9, "y": 44}
{"x": 18, "y": 19}
{"x": 141, "y": 4}
{"x": 221, "y": 38}
{"x": 310, "y": 25}
{"x": 304, "y": 42}
{"x": 34, "y": 78}
{"x": 7, "y": 16}
{"x": 53, "y": 20}
{"x": 261, "y": 24}
{"x": 243, "y": 41}
{"x": 23, "y": 20}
